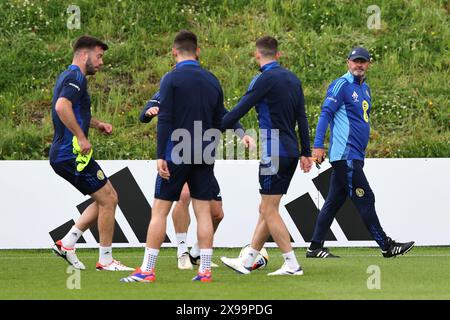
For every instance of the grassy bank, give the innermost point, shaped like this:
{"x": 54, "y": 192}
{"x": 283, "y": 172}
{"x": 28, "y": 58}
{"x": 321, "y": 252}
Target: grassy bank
{"x": 410, "y": 76}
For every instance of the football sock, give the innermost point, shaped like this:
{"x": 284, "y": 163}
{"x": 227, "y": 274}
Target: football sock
{"x": 290, "y": 260}
{"x": 181, "y": 243}
{"x": 195, "y": 250}
{"x": 205, "y": 260}
{"x": 150, "y": 257}
{"x": 105, "y": 255}
{"x": 250, "y": 257}
{"x": 71, "y": 238}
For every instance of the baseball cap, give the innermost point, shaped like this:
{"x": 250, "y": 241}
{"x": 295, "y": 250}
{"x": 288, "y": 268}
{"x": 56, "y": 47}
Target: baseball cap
{"x": 359, "y": 53}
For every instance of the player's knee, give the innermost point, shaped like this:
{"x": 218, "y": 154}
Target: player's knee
{"x": 217, "y": 214}
{"x": 114, "y": 198}
{"x": 185, "y": 197}
{"x": 263, "y": 208}
{"x": 267, "y": 209}
{"x": 109, "y": 198}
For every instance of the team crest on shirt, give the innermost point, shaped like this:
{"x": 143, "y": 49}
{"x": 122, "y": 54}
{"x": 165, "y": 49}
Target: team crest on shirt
{"x": 100, "y": 175}
{"x": 359, "y": 192}
{"x": 355, "y": 96}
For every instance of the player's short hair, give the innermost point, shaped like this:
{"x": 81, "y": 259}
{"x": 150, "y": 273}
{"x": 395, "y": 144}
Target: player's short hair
{"x": 185, "y": 41}
{"x": 267, "y": 46}
{"x": 88, "y": 42}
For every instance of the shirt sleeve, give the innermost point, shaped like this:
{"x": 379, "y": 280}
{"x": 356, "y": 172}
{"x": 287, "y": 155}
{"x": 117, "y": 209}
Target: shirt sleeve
{"x": 256, "y": 91}
{"x": 333, "y": 101}
{"x": 153, "y": 102}
{"x": 219, "y": 110}
{"x": 303, "y": 128}
{"x": 237, "y": 125}
{"x": 165, "y": 117}
{"x": 72, "y": 88}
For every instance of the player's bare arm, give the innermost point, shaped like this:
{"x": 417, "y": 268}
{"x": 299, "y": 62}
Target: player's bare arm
{"x": 101, "y": 126}
{"x": 153, "y": 111}
{"x": 306, "y": 163}
{"x": 318, "y": 155}
{"x": 65, "y": 112}
{"x": 249, "y": 142}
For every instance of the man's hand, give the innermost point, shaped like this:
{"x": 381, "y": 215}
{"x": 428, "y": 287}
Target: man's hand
{"x": 153, "y": 111}
{"x": 85, "y": 145}
{"x": 318, "y": 155}
{"x": 163, "y": 169}
{"x": 248, "y": 142}
{"x": 104, "y": 127}
{"x": 306, "y": 163}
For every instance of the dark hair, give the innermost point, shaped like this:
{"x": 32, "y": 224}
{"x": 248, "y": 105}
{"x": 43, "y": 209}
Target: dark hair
{"x": 88, "y": 42}
{"x": 185, "y": 41}
{"x": 267, "y": 46}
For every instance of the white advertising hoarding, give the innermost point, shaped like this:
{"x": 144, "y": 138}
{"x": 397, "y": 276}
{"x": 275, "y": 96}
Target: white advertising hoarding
{"x": 411, "y": 202}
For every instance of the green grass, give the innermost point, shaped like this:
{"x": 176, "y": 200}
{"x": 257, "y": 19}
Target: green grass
{"x": 421, "y": 274}
{"x": 410, "y": 76}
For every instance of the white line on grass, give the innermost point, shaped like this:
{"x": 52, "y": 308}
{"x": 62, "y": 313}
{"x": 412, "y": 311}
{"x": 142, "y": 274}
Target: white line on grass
{"x": 217, "y": 257}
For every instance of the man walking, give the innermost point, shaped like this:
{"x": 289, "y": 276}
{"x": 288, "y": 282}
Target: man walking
{"x": 189, "y": 96}
{"x": 279, "y": 100}
{"x": 346, "y": 109}
{"x": 71, "y": 154}
{"x": 180, "y": 213}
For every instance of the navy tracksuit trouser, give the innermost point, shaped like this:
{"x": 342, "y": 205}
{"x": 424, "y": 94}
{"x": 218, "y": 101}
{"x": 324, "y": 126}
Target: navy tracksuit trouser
{"x": 348, "y": 179}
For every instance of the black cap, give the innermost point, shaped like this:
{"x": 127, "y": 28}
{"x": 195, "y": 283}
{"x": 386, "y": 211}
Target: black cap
{"x": 359, "y": 53}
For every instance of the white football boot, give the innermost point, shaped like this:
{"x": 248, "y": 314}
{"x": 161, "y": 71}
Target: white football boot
{"x": 68, "y": 254}
{"x": 236, "y": 265}
{"x": 113, "y": 266}
{"x": 286, "y": 271}
{"x": 184, "y": 263}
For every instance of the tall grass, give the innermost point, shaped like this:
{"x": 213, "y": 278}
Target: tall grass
{"x": 410, "y": 76}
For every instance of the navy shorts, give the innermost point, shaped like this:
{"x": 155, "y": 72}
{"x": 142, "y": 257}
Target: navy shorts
{"x": 216, "y": 196}
{"x": 275, "y": 178}
{"x": 199, "y": 177}
{"x": 88, "y": 181}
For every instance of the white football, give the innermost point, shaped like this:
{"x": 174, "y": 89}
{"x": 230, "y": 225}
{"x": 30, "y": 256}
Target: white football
{"x": 261, "y": 259}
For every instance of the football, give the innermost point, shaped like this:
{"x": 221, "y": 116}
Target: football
{"x": 261, "y": 259}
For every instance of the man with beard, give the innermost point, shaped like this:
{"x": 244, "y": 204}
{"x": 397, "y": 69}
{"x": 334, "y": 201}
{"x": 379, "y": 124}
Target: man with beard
{"x": 346, "y": 109}
{"x": 71, "y": 154}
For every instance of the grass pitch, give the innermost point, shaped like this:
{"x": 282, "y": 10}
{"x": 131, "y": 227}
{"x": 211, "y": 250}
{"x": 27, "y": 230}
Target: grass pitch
{"x": 421, "y": 274}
